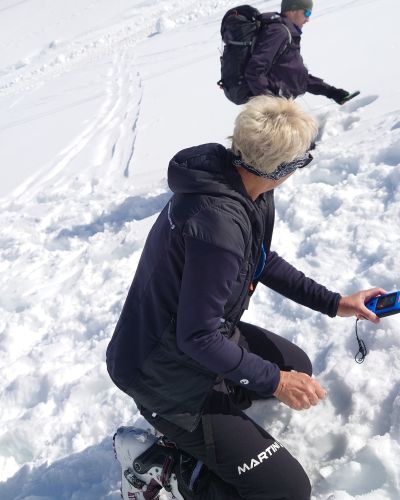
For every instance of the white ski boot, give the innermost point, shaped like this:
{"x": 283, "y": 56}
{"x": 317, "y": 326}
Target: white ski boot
{"x": 147, "y": 464}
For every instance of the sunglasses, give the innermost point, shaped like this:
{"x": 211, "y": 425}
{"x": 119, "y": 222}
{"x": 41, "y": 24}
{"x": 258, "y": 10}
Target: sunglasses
{"x": 307, "y": 13}
{"x": 282, "y": 170}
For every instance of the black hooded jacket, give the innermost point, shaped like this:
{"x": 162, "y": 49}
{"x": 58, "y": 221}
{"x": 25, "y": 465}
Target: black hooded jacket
{"x": 177, "y": 330}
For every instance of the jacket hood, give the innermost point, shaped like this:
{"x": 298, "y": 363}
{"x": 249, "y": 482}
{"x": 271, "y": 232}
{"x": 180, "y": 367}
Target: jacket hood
{"x": 205, "y": 169}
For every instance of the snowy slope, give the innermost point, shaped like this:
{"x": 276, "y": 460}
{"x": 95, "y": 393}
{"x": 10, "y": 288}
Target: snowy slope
{"x": 94, "y": 100}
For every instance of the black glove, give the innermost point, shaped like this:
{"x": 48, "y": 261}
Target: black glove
{"x": 338, "y": 95}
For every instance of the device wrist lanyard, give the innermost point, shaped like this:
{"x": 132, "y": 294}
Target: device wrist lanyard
{"x": 362, "y": 348}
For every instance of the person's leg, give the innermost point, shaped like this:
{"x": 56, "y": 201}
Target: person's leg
{"x": 271, "y": 347}
{"x": 274, "y": 348}
{"x": 247, "y": 463}
{"x": 210, "y": 486}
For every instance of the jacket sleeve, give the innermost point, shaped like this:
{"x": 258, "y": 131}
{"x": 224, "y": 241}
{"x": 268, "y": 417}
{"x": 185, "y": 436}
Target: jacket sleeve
{"x": 269, "y": 43}
{"x": 285, "y": 279}
{"x": 207, "y": 280}
{"x": 317, "y": 86}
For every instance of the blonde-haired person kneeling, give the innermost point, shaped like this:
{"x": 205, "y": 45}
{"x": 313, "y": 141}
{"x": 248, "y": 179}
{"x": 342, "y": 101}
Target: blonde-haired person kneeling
{"x": 180, "y": 349}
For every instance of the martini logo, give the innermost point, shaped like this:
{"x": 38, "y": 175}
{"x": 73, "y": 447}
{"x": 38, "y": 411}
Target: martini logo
{"x": 261, "y": 457}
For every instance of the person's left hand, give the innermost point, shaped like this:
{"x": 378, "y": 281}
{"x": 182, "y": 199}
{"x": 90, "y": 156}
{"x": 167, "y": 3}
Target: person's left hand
{"x": 354, "y": 305}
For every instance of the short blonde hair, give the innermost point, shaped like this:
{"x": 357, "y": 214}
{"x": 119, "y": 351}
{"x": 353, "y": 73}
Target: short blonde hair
{"x": 272, "y": 130}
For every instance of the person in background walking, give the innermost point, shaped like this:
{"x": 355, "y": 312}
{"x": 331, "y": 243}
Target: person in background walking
{"x": 276, "y": 66}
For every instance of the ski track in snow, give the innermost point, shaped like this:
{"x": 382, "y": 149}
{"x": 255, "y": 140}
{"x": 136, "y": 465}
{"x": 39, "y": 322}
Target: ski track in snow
{"x": 54, "y": 234}
{"x": 77, "y": 226}
{"x": 54, "y": 334}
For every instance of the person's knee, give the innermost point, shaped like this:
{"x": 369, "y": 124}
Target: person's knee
{"x": 303, "y": 363}
{"x": 299, "y": 486}
{"x": 287, "y": 480}
{"x": 308, "y": 368}
{"x": 303, "y": 492}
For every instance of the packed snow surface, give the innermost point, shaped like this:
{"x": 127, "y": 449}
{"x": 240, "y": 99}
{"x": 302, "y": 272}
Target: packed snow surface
{"x": 95, "y": 98}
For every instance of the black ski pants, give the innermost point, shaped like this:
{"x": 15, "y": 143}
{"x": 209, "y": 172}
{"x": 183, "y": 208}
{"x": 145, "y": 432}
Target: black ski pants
{"x": 244, "y": 460}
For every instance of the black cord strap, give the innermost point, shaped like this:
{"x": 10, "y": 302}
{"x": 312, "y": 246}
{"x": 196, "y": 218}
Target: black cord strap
{"x": 362, "y": 348}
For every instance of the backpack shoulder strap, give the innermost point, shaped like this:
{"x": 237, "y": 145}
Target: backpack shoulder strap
{"x": 275, "y": 18}
{"x": 289, "y": 34}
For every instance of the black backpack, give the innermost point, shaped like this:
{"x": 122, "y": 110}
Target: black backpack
{"x": 239, "y": 28}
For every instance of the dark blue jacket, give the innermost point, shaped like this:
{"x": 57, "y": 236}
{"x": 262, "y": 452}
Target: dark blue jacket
{"x": 269, "y": 72}
{"x": 176, "y": 332}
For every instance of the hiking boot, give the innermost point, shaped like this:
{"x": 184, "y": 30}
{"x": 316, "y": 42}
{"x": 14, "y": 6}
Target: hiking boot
{"x": 147, "y": 464}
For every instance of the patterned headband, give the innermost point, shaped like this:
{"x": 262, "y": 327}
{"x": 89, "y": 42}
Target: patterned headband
{"x": 281, "y": 170}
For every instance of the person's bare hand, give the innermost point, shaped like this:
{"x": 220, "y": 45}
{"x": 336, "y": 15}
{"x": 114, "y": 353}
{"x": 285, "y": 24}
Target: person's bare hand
{"x": 354, "y": 305}
{"x": 298, "y": 390}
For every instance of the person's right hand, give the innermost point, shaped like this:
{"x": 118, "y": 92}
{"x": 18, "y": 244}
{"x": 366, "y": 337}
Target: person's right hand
{"x": 338, "y": 95}
{"x": 298, "y": 390}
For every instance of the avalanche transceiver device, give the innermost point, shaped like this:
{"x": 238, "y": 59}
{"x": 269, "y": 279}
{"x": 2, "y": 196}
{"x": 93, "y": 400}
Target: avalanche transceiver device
{"x": 385, "y": 305}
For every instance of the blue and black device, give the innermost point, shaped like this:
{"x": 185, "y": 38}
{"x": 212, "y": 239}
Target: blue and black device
{"x": 385, "y": 305}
